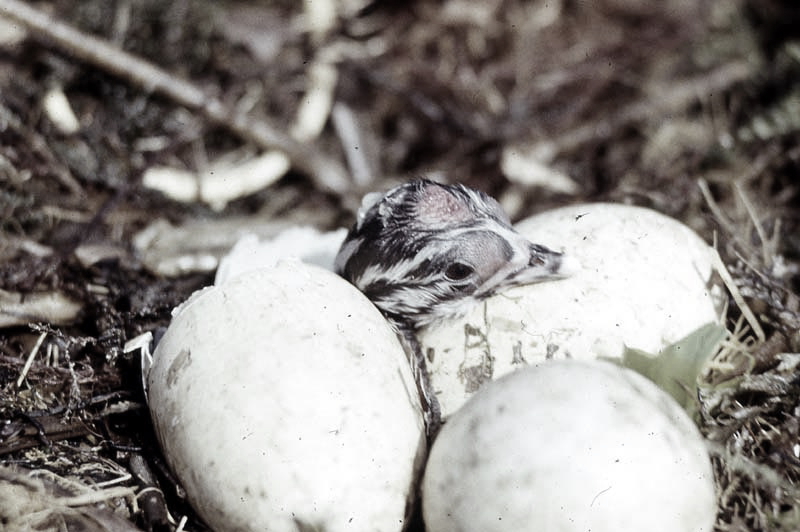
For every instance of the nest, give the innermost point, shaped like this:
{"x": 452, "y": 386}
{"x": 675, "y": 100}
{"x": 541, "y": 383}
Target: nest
{"x": 688, "y": 108}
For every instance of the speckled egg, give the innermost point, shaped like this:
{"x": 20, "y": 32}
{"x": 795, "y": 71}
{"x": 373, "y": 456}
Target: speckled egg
{"x": 644, "y": 282}
{"x": 283, "y": 401}
{"x": 569, "y": 446}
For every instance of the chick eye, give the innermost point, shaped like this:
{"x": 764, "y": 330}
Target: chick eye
{"x": 458, "y": 271}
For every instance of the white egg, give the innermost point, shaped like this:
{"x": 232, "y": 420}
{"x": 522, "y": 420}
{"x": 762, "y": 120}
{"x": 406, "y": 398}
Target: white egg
{"x": 643, "y": 282}
{"x": 283, "y": 401}
{"x": 569, "y": 446}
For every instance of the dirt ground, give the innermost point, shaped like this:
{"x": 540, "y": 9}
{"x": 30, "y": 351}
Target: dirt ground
{"x": 689, "y": 108}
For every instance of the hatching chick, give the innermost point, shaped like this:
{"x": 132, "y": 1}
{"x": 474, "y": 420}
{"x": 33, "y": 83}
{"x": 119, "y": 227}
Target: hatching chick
{"x": 425, "y": 251}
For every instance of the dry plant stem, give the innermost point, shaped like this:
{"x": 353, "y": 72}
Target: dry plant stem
{"x": 767, "y": 254}
{"x": 327, "y": 173}
{"x": 737, "y": 296}
{"x": 31, "y": 357}
{"x": 715, "y": 208}
{"x": 94, "y": 497}
{"x": 720, "y": 266}
{"x": 346, "y": 125}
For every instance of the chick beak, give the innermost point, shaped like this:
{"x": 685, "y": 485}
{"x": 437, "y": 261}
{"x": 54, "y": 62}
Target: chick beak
{"x": 545, "y": 264}
{"x": 545, "y": 260}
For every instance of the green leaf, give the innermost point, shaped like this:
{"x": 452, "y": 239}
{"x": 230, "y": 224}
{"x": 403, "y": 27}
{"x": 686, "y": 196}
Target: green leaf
{"x": 677, "y": 368}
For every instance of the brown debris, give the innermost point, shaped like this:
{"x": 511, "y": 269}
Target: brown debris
{"x": 689, "y": 108}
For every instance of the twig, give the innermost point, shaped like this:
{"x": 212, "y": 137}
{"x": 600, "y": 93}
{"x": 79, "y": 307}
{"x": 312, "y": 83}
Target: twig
{"x": 31, "y": 357}
{"x": 354, "y": 144}
{"x": 327, "y": 173}
{"x": 153, "y": 503}
{"x": 93, "y": 497}
{"x": 737, "y": 295}
{"x": 768, "y": 255}
{"x": 715, "y": 209}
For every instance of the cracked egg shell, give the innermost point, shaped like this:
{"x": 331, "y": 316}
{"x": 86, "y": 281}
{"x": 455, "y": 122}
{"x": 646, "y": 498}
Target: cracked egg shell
{"x": 643, "y": 282}
{"x": 283, "y": 401}
{"x": 569, "y": 446}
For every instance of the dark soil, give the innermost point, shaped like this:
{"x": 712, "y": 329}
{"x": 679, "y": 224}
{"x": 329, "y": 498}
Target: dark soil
{"x": 643, "y": 103}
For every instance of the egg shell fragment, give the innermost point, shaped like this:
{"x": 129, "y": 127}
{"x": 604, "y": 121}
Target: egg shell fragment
{"x": 643, "y": 282}
{"x": 282, "y": 399}
{"x": 569, "y": 446}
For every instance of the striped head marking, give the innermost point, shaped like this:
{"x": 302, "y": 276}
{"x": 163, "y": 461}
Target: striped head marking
{"x": 426, "y": 251}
